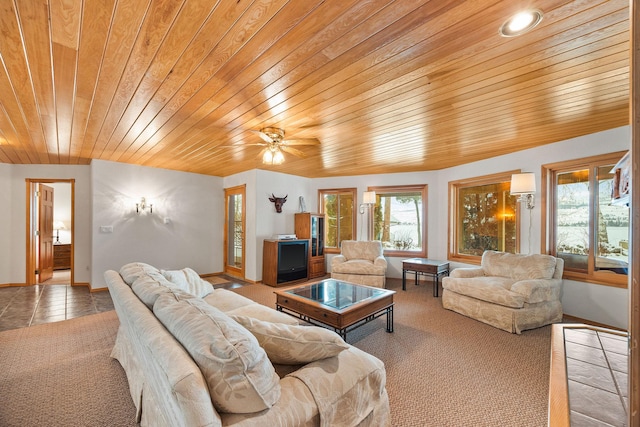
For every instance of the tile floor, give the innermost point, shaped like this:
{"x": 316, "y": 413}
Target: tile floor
{"x": 56, "y": 300}
{"x": 32, "y": 305}
{"x": 597, "y": 375}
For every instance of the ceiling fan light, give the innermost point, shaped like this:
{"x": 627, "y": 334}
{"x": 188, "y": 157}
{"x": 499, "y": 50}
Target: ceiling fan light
{"x": 278, "y": 158}
{"x": 267, "y": 157}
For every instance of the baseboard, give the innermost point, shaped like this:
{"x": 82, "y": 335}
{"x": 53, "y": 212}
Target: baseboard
{"x": 12, "y": 285}
{"x": 573, "y": 319}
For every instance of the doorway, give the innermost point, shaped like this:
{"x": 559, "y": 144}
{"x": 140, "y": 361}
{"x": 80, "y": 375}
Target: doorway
{"x": 234, "y": 221}
{"x": 50, "y": 231}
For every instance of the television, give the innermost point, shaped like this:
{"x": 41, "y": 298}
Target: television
{"x": 293, "y": 258}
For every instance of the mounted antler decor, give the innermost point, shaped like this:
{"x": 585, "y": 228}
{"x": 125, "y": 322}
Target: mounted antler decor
{"x": 278, "y": 202}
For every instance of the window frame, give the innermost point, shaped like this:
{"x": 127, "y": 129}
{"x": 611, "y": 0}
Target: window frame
{"x": 548, "y": 205}
{"x": 452, "y": 235}
{"x": 423, "y": 189}
{"x": 338, "y": 191}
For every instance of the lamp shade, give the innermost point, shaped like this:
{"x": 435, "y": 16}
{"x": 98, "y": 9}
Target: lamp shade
{"x": 369, "y": 197}
{"x": 59, "y": 225}
{"x": 523, "y": 183}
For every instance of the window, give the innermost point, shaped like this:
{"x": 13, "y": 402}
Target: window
{"x": 399, "y": 220}
{"x": 340, "y": 221}
{"x": 483, "y": 216}
{"x": 586, "y": 229}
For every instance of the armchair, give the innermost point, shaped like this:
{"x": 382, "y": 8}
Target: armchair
{"x": 512, "y": 292}
{"x": 360, "y": 262}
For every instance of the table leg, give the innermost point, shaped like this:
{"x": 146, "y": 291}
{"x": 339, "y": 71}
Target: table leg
{"x": 435, "y": 284}
{"x": 390, "y": 319}
{"x": 404, "y": 279}
{"x": 416, "y": 278}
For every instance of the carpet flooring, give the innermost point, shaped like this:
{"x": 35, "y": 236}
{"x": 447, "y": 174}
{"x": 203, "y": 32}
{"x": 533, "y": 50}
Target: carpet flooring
{"x": 443, "y": 369}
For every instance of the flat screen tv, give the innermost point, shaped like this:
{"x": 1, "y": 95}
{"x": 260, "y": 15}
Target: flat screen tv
{"x": 292, "y": 260}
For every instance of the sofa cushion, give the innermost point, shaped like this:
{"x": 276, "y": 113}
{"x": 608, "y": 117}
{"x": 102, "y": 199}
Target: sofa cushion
{"x": 239, "y": 375}
{"x": 491, "y": 289}
{"x": 359, "y": 266}
{"x": 293, "y": 345}
{"x": 188, "y": 280}
{"x": 150, "y": 286}
{"x": 518, "y": 266}
{"x": 133, "y": 270}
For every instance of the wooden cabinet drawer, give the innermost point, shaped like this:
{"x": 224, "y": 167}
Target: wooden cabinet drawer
{"x": 61, "y": 257}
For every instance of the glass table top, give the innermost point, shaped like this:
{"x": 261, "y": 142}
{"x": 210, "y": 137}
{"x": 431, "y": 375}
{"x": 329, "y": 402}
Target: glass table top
{"x": 336, "y": 294}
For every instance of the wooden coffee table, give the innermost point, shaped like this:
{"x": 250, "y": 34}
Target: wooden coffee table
{"x": 338, "y": 305}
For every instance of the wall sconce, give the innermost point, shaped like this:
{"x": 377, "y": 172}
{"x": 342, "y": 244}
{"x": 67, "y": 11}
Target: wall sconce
{"x": 58, "y": 225}
{"x": 524, "y": 186}
{"x": 369, "y": 199}
{"x": 142, "y": 206}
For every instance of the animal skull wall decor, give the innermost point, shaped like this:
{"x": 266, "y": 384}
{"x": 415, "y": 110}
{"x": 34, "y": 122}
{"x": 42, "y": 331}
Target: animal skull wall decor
{"x": 278, "y": 202}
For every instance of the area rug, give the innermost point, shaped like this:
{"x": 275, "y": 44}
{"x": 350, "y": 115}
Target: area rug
{"x": 60, "y": 374}
{"x": 445, "y": 369}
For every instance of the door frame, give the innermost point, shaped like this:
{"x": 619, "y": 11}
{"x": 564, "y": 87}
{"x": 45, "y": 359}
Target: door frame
{"x": 242, "y": 190}
{"x": 31, "y": 225}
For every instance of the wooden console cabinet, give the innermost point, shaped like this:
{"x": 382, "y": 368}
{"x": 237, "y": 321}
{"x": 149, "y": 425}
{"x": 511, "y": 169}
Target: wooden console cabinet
{"x": 62, "y": 257}
{"x": 311, "y": 226}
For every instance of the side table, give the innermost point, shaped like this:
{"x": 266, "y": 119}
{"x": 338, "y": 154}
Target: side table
{"x": 427, "y": 267}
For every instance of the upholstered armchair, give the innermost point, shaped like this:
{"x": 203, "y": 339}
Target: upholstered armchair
{"x": 360, "y": 262}
{"x": 512, "y": 292}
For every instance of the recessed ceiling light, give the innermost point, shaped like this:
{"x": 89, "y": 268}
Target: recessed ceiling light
{"x": 520, "y": 23}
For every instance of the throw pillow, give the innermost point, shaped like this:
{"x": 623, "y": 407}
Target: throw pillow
{"x": 188, "y": 280}
{"x": 239, "y": 375}
{"x": 293, "y": 344}
{"x": 148, "y": 287}
{"x": 134, "y": 270}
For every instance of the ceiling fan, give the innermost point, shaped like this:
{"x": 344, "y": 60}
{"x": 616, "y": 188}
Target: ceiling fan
{"x": 274, "y": 144}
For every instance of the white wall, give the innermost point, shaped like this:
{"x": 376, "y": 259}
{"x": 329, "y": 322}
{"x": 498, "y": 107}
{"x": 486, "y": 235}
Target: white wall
{"x": 184, "y": 230}
{"x": 106, "y": 193}
{"x": 603, "y": 304}
{"x": 263, "y": 222}
{"x": 6, "y": 225}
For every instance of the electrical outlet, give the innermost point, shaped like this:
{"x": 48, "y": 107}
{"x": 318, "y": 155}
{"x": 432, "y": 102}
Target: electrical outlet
{"x": 106, "y": 228}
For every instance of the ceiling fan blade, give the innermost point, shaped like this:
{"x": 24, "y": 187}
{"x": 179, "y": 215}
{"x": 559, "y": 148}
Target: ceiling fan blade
{"x": 293, "y": 151}
{"x": 263, "y": 135}
{"x": 302, "y": 141}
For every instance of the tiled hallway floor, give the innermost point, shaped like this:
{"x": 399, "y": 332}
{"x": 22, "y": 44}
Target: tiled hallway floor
{"x": 24, "y": 306}
{"x": 32, "y": 305}
{"x": 597, "y": 377}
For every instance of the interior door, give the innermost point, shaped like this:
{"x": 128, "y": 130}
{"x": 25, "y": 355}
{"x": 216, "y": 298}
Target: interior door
{"x": 234, "y": 231}
{"x": 45, "y": 233}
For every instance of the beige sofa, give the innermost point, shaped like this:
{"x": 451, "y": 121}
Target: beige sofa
{"x": 195, "y": 356}
{"x": 360, "y": 262}
{"x": 513, "y": 292}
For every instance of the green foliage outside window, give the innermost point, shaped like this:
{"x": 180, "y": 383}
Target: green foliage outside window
{"x": 337, "y": 207}
{"x": 486, "y": 219}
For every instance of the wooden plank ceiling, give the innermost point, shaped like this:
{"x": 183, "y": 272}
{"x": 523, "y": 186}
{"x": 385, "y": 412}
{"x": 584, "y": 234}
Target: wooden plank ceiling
{"x": 386, "y": 86}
